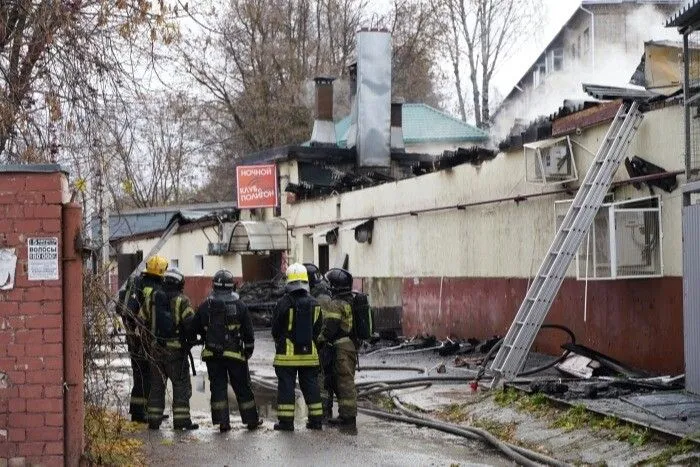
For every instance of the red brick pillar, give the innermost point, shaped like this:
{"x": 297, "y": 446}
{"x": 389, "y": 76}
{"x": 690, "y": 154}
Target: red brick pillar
{"x": 32, "y": 419}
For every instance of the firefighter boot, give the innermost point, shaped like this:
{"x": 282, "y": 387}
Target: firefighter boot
{"x": 224, "y": 427}
{"x": 348, "y": 426}
{"x": 284, "y": 426}
{"x": 314, "y": 425}
{"x": 255, "y": 425}
{"x": 186, "y": 426}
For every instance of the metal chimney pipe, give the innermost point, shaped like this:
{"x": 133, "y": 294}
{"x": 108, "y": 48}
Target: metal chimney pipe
{"x": 323, "y": 133}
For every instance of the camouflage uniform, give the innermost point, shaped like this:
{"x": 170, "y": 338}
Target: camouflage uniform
{"x": 337, "y": 332}
{"x": 326, "y": 354}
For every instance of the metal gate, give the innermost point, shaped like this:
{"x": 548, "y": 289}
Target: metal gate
{"x": 691, "y": 296}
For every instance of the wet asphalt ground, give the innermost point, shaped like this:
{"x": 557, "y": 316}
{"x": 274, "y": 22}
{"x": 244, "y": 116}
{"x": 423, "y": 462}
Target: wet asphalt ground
{"x": 378, "y": 442}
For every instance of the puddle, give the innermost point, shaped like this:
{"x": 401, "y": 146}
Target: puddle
{"x": 265, "y": 398}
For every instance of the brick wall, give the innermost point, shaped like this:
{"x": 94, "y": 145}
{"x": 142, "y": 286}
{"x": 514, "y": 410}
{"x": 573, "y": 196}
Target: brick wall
{"x": 31, "y": 325}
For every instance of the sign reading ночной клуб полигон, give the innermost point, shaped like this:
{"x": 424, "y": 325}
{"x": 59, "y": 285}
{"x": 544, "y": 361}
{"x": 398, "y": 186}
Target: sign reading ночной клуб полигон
{"x": 256, "y": 186}
{"x": 42, "y": 258}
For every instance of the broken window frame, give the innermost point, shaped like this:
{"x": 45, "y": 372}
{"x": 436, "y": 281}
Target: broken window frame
{"x": 609, "y": 236}
{"x": 545, "y": 178}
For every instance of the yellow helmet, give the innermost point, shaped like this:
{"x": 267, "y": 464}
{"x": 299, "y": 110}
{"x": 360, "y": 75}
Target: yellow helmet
{"x": 297, "y": 277}
{"x": 156, "y": 265}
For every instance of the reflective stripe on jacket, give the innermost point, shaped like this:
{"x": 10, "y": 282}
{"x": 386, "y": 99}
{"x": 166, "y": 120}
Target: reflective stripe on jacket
{"x": 206, "y": 353}
{"x": 285, "y": 322}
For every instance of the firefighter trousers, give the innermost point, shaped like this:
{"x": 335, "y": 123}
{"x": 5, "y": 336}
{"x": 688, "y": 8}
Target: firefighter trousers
{"x": 223, "y": 371}
{"x": 141, "y": 378}
{"x": 172, "y": 365}
{"x": 326, "y": 379}
{"x": 308, "y": 382}
{"x": 344, "y": 372}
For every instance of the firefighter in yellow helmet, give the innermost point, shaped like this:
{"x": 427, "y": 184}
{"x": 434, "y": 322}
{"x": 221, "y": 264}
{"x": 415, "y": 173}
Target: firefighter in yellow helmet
{"x": 166, "y": 319}
{"x": 139, "y": 290}
{"x": 296, "y": 325}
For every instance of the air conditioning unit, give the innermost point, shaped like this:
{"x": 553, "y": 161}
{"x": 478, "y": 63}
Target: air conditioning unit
{"x": 217, "y": 249}
{"x": 636, "y": 240}
{"x": 550, "y": 161}
{"x": 556, "y": 162}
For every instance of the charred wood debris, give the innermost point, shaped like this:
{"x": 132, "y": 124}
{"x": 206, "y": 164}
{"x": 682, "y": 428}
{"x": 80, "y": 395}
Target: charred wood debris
{"x": 349, "y": 180}
{"x": 580, "y": 372}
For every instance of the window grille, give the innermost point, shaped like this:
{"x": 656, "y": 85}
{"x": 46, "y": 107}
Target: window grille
{"x": 624, "y": 242}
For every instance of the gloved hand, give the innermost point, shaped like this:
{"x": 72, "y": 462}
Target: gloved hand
{"x": 248, "y": 352}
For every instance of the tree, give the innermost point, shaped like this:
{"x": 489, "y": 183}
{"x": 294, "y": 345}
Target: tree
{"x": 62, "y": 56}
{"x": 415, "y": 31}
{"x": 485, "y": 31}
{"x": 255, "y": 61}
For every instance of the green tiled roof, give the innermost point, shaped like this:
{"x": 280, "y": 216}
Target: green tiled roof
{"x": 425, "y": 124}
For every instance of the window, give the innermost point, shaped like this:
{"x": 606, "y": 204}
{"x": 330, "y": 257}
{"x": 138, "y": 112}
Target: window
{"x": 555, "y": 60}
{"x": 199, "y": 265}
{"x": 539, "y": 74}
{"x": 585, "y": 43}
{"x": 579, "y": 48}
{"x": 624, "y": 241}
{"x": 550, "y": 161}
{"x": 175, "y": 263}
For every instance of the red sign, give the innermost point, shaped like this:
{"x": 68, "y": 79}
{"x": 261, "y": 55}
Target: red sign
{"x": 257, "y": 186}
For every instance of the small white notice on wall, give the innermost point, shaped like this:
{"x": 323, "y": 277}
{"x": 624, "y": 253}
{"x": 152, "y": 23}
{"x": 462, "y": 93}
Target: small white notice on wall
{"x": 42, "y": 261}
{"x": 8, "y": 265}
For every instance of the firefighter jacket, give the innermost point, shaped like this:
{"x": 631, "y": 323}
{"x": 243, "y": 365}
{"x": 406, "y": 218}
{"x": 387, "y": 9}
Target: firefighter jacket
{"x": 182, "y": 313}
{"x": 337, "y": 320}
{"x": 142, "y": 300}
{"x": 179, "y": 309}
{"x": 296, "y": 326}
{"x": 240, "y": 339}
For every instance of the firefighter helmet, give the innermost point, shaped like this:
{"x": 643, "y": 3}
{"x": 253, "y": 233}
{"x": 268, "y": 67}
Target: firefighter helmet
{"x": 173, "y": 277}
{"x": 313, "y": 274}
{"x": 297, "y": 278}
{"x": 223, "y": 280}
{"x": 156, "y": 265}
{"x": 340, "y": 280}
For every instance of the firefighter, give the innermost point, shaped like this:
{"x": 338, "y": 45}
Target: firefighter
{"x": 321, "y": 292}
{"x": 227, "y": 332}
{"x": 338, "y": 333}
{"x": 130, "y": 300}
{"x": 296, "y": 325}
{"x": 165, "y": 316}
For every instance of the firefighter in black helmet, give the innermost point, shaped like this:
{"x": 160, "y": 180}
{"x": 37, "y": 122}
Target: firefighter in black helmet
{"x": 227, "y": 331}
{"x": 326, "y": 356}
{"x": 166, "y": 322}
{"x": 337, "y": 332}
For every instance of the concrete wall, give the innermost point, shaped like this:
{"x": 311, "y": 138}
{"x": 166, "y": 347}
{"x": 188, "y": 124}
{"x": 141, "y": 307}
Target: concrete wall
{"x": 37, "y": 342}
{"x": 484, "y": 255}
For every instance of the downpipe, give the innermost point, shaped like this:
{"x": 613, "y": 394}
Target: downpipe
{"x": 73, "y": 386}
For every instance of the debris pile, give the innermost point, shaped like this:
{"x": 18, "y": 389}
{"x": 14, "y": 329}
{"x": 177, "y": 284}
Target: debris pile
{"x": 261, "y": 297}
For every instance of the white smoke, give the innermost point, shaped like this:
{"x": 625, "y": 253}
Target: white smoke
{"x": 614, "y": 66}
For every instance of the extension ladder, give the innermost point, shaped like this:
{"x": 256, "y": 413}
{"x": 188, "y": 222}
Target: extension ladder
{"x": 511, "y": 357}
